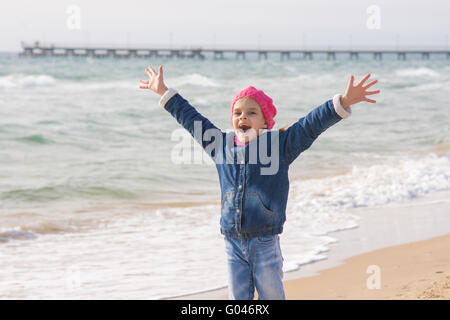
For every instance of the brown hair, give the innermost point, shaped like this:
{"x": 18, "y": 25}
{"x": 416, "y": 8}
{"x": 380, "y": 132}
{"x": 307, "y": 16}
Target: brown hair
{"x": 283, "y": 129}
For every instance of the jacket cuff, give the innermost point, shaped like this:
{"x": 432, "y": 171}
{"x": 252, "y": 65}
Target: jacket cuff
{"x": 340, "y": 110}
{"x": 166, "y": 97}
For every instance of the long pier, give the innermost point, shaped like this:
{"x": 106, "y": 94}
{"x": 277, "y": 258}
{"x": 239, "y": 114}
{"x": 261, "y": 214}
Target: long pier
{"x": 41, "y": 50}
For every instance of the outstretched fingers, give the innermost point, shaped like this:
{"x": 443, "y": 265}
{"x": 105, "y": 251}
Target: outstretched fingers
{"x": 350, "y": 82}
{"x": 146, "y": 82}
{"x": 369, "y": 100}
{"x": 370, "y": 84}
{"x": 151, "y": 73}
{"x": 371, "y": 92}
{"x": 363, "y": 80}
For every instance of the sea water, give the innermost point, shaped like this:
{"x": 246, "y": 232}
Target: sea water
{"x": 93, "y": 206}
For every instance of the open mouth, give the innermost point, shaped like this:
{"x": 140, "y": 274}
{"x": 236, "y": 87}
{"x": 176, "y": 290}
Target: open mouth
{"x": 244, "y": 128}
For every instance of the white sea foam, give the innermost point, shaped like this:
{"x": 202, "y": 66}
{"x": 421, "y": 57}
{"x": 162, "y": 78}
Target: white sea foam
{"x": 132, "y": 85}
{"x": 160, "y": 247}
{"x": 436, "y": 85}
{"x": 136, "y": 251}
{"x": 399, "y": 178}
{"x": 421, "y": 72}
{"x": 26, "y": 81}
{"x": 16, "y": 233}
{"x": 13, "y": 81}
{"x": 194, "y": 79}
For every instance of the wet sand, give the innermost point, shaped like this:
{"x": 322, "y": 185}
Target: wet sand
{"x": 399, "y": 251}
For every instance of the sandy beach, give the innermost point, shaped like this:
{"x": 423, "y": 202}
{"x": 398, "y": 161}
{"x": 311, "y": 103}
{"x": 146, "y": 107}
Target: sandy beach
{"x": 401, "y": 251}
{"x": 418, "y": 270}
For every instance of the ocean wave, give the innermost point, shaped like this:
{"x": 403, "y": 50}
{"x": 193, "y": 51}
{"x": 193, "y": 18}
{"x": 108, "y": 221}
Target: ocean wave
{"x": 31, "y": 232}
{"x": 17, "y": 233}
{"x": 195, "y": 79}
{"x": 35, "y": 139}
{"x": 438, "y": 85}
{"x": 18, "y": 80}
{"x": 103, "y": 85}
{"x": 417, "y": 73}
{"x": 400, "y": 178}
{"x": 63, "y": 192}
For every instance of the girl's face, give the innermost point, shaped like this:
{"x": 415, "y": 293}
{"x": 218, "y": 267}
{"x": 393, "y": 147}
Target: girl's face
{"x": 248, "y": 119}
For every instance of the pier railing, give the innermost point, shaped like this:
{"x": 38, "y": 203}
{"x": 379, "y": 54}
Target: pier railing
{"x": 38, "y": 49}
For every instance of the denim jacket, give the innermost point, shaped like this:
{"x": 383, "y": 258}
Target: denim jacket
{"x": 253, "y": 203}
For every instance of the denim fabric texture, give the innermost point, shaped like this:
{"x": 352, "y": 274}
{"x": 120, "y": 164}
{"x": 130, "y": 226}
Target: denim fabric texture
{"x": 255, "y": 263}
{"x": 253, "y": 204}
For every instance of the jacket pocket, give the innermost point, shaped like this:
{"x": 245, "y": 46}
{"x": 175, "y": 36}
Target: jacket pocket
{"x": 261, "y": 204}
{"x": 266, "y": 239}
{"x": 256, "y": 215}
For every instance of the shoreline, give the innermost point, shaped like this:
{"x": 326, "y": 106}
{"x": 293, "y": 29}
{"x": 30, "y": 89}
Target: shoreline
{"x": 397, "y": 226}
{"x": 417, "y": 270}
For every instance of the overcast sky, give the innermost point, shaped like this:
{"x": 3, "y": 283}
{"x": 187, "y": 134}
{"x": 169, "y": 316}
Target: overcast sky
{"x": 208, "y": 23}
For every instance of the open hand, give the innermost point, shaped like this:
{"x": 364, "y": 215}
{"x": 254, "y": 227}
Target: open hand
{"x": 156, "y": 82}
{"x": 354, "y": 94}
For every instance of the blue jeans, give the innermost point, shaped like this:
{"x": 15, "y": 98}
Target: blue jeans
{"x": 255, "y": 263}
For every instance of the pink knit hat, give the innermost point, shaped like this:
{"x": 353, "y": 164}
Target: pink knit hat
{"x": 264, "y": 101}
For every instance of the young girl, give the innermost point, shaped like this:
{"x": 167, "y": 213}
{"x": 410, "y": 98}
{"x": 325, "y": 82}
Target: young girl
{"x": 253, "y": 200}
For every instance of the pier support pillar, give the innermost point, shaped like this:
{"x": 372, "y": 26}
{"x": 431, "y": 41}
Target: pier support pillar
{"x": 176, "y": 53}
{"x": 331, "y": 55}
{"x": 47, "y": 52}
{"x": 218, "y": 55}
{"x": 197, "y": 53}
{"x": 70, "y": 52}
{"x": 307, "y": 55}
{"x": 132, "y": 53}
{"x": 240, "y": 54}
{"x": 377, "y": 55}
{"x": 27, "y": 52}
{"x": 354, "y": 55}
{"x": 262, "y": 54}
{"x": 285, "y": 54}
{"x": 425, "y": 55}
{"x": 401, "y": 56}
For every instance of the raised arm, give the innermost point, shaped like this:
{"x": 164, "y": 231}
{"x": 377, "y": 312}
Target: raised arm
{"x": 179, "y": 108}
{"x": 301, "y": 135}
